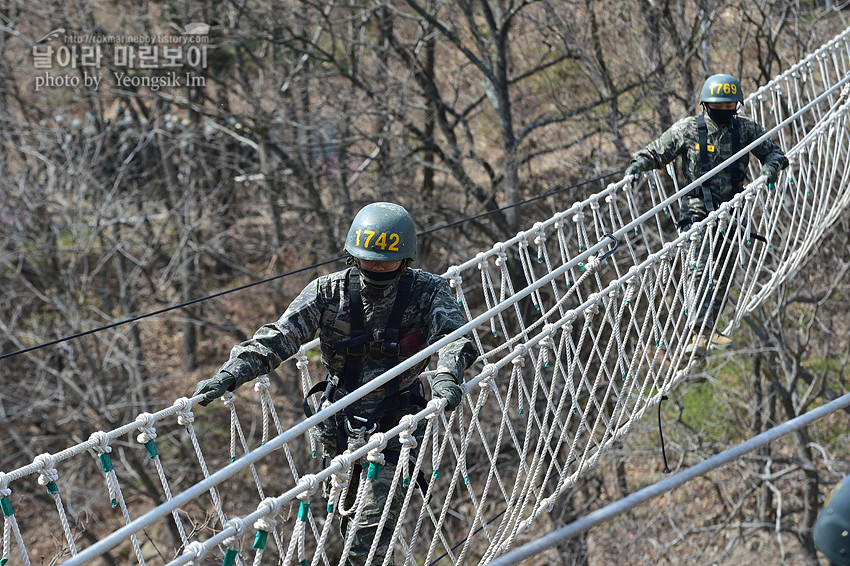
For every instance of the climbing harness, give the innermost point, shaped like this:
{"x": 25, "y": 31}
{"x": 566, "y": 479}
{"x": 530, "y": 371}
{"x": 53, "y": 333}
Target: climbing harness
{"x": 705, "y": 191}
{"x": 362, "y": 342}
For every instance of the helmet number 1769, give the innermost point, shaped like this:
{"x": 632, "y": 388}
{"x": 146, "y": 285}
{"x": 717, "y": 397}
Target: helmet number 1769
{"x": 723, "y": 88}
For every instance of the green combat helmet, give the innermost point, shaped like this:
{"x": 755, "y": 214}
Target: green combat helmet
{"x": 832, "y": 528}
{"x": 382, "y": 231}
{"x": 721, "y": 88}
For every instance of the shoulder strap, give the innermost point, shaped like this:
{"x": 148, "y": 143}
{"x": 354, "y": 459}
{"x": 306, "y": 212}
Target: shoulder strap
{"x": 736, "y": 170}
{"x": 359, "y": 336}
{"x": 705, "y": 164}
{"x": 390, "y": 347}
{"x": 353, "y": 357}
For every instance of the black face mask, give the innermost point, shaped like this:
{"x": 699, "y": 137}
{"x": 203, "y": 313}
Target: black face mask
{"x": 720, "y": 117}
{"x": 380, "y": 278}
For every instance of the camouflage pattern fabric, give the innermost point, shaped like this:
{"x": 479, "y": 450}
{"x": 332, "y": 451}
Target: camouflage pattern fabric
{"x": 702, "y": 303}
{"x": 323, "y": 307}
{"x": 376, "y": 495}
{"x": 682, "y": 139}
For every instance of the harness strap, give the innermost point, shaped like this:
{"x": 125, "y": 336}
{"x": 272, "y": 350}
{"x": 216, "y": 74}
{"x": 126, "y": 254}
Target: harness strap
{"x": 390, "y": 348}
{"x": 386, "y": 412}
{"x": 321, "y": 387}
{"x": 705, "y": 164}
{"x": 736, "y": 170}
{"x": 354, "y": 359}
{"x": 355, "y": 348}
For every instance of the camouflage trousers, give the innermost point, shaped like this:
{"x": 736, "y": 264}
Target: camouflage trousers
{"x": 711, "y": 275}
{"x": 376, "y": 494}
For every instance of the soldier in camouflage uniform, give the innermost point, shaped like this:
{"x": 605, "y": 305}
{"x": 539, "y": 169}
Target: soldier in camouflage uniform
{"x": 369, "y": 317}
{"x": 703, "y": 142}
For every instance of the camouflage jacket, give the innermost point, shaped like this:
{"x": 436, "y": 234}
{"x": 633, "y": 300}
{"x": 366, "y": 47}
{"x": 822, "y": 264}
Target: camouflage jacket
{"x": 682, "y": 139}
{"x": 323, "y": 307}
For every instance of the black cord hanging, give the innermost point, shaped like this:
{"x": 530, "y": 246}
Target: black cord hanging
{"x": 666, "y": 469}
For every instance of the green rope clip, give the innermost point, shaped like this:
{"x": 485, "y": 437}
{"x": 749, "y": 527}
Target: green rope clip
{"x": 313, "y": 454}
{"x": 537, "y": 307}
{"x": 106, "y": 463}
{"x": 436, "y": 473}
{"x": 405, "y": 482}
{"x": 52, "y": 488}
{"x": 6, "y": 506}
{"x": 303, "y": 562}
{"x": 374, "y": 469}
{"x": 522, "y": 411}
{"x": 465, "y": 479}
{"x": 232, "y": 459}
{"x": 229, "y": 557}
{"x": 539, "y": 260}
{"x": 330, "y": 507}
{"x": 495, "y": 334}
{"x": 260, "y": 540}
{"x": 303, "y": 511}
{"x": 150, "y": 446}
{"x": 3, "y": 561}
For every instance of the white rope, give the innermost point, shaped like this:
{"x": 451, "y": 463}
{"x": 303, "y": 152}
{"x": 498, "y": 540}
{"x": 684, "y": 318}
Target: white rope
{"x": 103, "y": 450}
{"x": 10, "y": 525}
{"x": 48, "y": 478}
{"x": 147, "y": 437}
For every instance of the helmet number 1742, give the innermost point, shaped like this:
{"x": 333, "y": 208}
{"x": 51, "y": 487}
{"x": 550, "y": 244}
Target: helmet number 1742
{"x": 380, "y": 241}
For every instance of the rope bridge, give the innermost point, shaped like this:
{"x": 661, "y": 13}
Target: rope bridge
{"x": 581, "y": 322}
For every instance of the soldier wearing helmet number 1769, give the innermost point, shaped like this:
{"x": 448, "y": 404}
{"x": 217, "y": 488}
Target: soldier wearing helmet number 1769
{"x": 703, "y": 142}
{"x": 370, "y": 317}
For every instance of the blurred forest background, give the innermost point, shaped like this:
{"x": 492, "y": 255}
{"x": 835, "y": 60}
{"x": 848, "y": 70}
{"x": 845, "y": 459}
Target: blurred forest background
{"x": 121, "y": 200}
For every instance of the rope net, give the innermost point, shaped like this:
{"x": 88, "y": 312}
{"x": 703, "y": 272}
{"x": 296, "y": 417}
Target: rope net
{"x": 582, "y": 323}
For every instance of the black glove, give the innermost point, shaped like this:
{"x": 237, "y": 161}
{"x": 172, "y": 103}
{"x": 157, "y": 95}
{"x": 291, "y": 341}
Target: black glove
{"x": 215, "y": 387}
{"x": 444, "y": 386}
{"x": 771, "y": 172}
{"x": 633, "y": 170}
